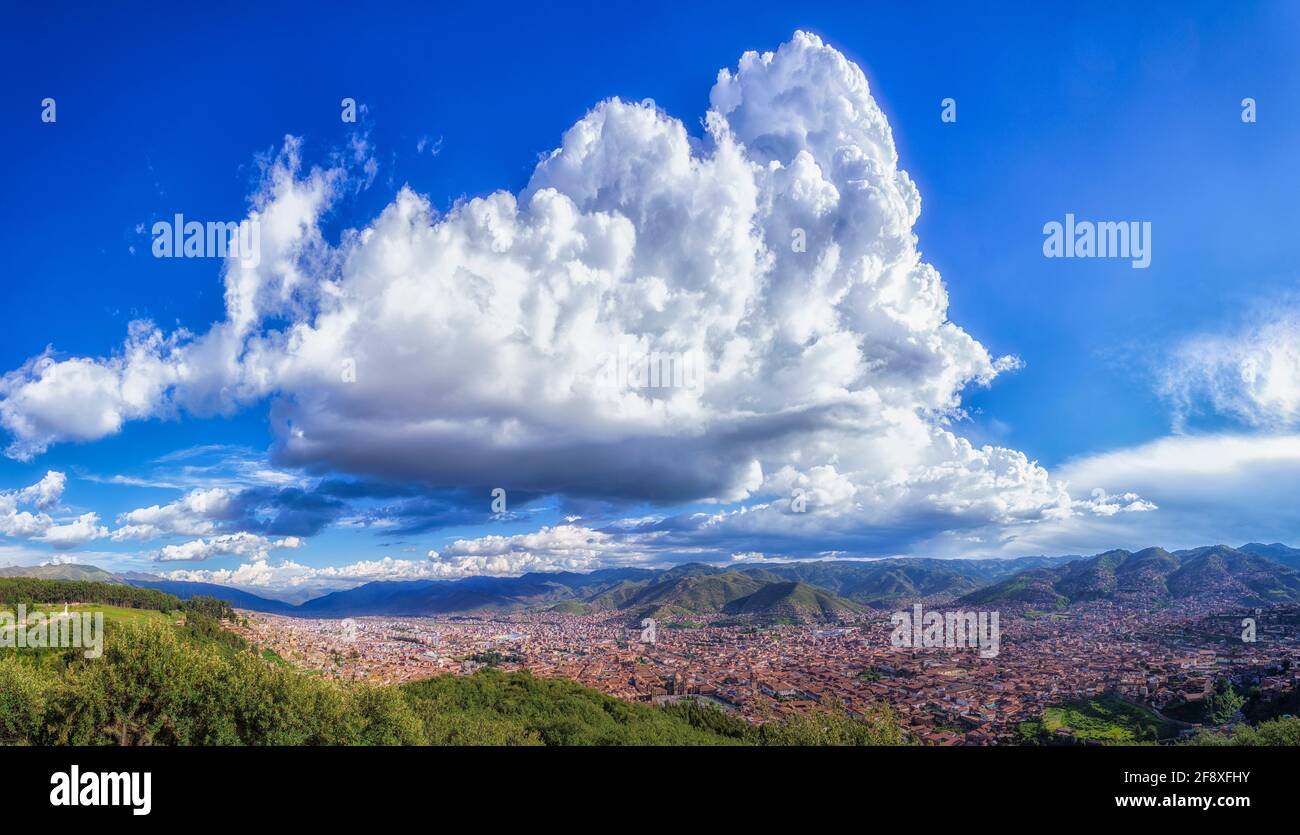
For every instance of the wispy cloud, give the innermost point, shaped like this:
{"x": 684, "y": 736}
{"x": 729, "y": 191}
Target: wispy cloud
{"x": 1250, "y": 374}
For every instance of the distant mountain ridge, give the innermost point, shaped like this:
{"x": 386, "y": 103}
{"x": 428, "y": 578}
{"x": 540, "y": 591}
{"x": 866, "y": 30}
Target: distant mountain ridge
{"x": 62, "y": 571}
{"x": 468, "y": 595}
{"x": 238, "y": 598}
{"x": 1277, "y": 552}
{"x": 705, "y": 591}
{"x": 812, "y": 591}
{"x": 1233, "y": 574}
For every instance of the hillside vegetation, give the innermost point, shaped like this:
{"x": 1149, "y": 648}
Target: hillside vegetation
{"x": 1280, "y": 732}
{"x": 1101, "y": 720}
{"x": 29, "y": 590}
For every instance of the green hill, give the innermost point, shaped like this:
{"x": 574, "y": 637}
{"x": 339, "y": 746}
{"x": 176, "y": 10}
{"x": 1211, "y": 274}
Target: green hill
{"x": 1152, "y": 574}
{"x": 618, "y": 596}
{"x": 1277, "y": 552}
{"x": 67, "y": 571}
{"x": 794, "y": 601}
{"x": 695, "y": 590}
{"x": 691, "y": 594}
{"x": 1034, "y": 588}
{"x": 881, "y": 583}
{"x": 571, "y": 607}
{"x": 1255, "y": 579}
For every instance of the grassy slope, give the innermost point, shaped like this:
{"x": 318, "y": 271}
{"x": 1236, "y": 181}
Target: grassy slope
{"x": 491, "y": 707}
{"x": 114, "y": 614}
{"x": 1106, "y": 720}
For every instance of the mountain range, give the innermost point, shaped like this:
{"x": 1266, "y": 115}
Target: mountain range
{"x": 1238, "y": 575}
{"x": 1254, "y": 574}
{"x": 64, "y": 571}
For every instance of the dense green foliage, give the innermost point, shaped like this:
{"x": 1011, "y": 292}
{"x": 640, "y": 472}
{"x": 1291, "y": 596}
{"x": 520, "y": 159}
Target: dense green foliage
{"x": 491, "y": 707}
{"x": 494, "y": 658}
{"x": 1272, "y": 732}
{"x": 29, "y": 590}
{"x": 153, "y": 686}
{"x": 824, "y": 727}
{"x": 203, "y": 627}
{"x": 1102, "y": 720}
{"x": 1258, "y": 709}
{"x": 1218, "y": 708}
{"x": 519, "y": 709}
{"x": 1222, "y": 704}
{"x": 209, "y": 607}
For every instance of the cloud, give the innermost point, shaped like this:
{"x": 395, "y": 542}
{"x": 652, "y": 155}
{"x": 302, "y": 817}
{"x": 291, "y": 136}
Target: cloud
{"x": 41, "y": 526}
{"x": 957, "y": 491}
{"x": 1212, "y": 488}
{"x": 20, "y": 523}
{"x": 198, "y": 513}
{"x": 552, "y": 548}
{"x": 48, "y": 400}
{"x": 287, "y": 574}
{"x": 306, "y": 511}
{"x": 259, "y": 573}
{"x": 205, "y": 467}
{"x": 469, "y": 350}
{"x": 242, "y": 544}
{"x": 1251, "y": 375}
{"x": 62, "y": 559}
{"x": 558, "y": 548}
{"x": 434, "y": 510}
{"x": 1104, "y": 504}
{"x": 45, "y": 493}
{"x": 72, "y": 534}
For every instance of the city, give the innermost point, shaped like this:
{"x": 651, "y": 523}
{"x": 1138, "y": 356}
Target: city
{"x": 941, "y": 696}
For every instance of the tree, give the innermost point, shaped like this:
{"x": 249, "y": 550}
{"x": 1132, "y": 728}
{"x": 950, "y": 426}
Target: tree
{"x": 1223, "y": 703}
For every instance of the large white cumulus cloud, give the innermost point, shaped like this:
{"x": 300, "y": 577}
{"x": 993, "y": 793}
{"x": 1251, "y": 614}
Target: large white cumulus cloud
{"x": 777, "y": 248}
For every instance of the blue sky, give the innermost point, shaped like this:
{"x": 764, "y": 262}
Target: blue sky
{"x": 1093, "y": 112}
